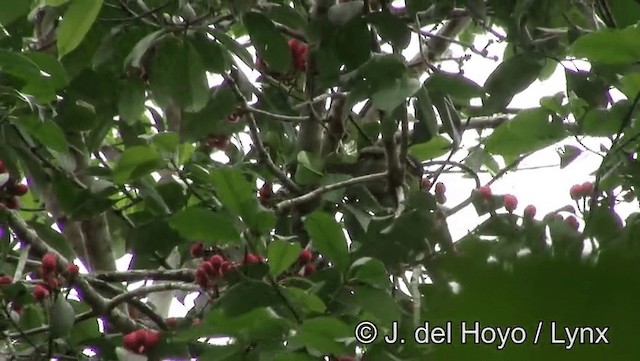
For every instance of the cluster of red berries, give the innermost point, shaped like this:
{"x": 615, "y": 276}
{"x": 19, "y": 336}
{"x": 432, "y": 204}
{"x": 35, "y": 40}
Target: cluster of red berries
{"x": 140, "y": 341}
{"x": 217, "y": 266}
{"x": 509, "y": 202}
{"x": 11, "y": 190}
{"x": 211, "y": 269}
{"x": 265, "y": 193}
{"x": 298, "y": 53}
{"x": 583, "y": 190}
{"x": 306, "y": 258}
{"x": 48, "y": 273}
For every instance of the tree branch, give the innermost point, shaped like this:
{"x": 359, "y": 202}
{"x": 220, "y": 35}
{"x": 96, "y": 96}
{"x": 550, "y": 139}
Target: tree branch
{"x": 86, "y": 291}
{"x": 255, "y": 137}
{"x": 284, "y": 205}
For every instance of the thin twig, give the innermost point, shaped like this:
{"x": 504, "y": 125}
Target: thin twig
{"x": 328, "y": 188}
{"x": 255, "y": 137}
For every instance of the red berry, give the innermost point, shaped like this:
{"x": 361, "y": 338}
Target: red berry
{"x": 510, "y": 202}
{"x": 305, "y": 256}
{"x": 260, "y": 64}
{"x": 73, "y": 270}
{"x": 425, "y": 183}
{"x": 171, "y": 322}
{"x": 2, "y": 168}
{"x": 135, "y": 341}
{"x": 587, "y": 188}
{"x": 208, "y": 268}
{"x": 345, "y": 358}
{"x": 252, "y": 258}
{"x": 5, "y": 280}
{"x": 226, "y": 267}
{"x": 485, "y": 192}
{"x": 530, "y": 211}
{"x": 216, "y": 261}
{"x": 12, "y": 203}
{"x": 196, "y": 250}
{"x": 201, "y": 278}
{"x": 152, "y": 338}
{"x": 219, "y": 142}
{"x": 40, "y": 292}
{"x": 53, "y": 284}
{"x": 19, "y": 190}
{"x": 265, "y": 193}
{"x": 572, "y": 222}
{"x": 440, "y": 188}
{"x": 49, "y": 263}
{"x": 576, "y": 191}
{"x": 309, "y": 269}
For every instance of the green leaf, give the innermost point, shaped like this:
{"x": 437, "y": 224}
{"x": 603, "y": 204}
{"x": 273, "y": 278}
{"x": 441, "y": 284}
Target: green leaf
{"x": 256, "y": 324}
{"x": 214, "y": 57}
{"x": 233, "y": 46}
{"x": 134, "y": 58}
{"x": 213, "y": 228}
{"x": 342, "y": 12}
{"x": 324, "y": 334}
{"x": 136, "y": 162}
{"x": 457, "y": 85}
{"x": 378, "y": 303}
{"x": 131, "y": 98}
{"x": 625, "y": 12}
{"x": 294, "y": 356}
{"x": 434, "y": 148}
{"x": 305, "y": 300}
{"x": 353, "y": 43}
{"x": 56, "y": 72}
{"x": 62, "y": 318}
{"x": 391, "y": 29}
{"x": 246, "y": 296}
{"x": 268, "y": 41}
{"x": 511, "y": 77}
{"x": 232, "y": 188}
{"x": 177, "y": 74}
{"x": 75, "y": 24}
{"x": 46, "y": 132}
{"x": 396, "y": 93}
{"x": 427, "y": 126}
{"x": 528, "y": 131}
{"x": 24, "y": 68}
{"x": 282, "y": 255}
{"x": 53, "y": 238}
{"x": 370, "y": 271}
{"x": 609, "y": 46}
{"x": 10, "y": 11}
{"x": 327, "y": 237}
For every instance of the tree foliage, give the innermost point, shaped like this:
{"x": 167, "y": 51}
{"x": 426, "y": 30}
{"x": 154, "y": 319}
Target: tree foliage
{"x": 140, "y": 128}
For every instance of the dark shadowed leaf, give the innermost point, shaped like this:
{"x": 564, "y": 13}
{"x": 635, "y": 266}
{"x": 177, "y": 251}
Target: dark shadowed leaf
{"x": 269, "y": 42}
{"x": 327, "y": 237}
{"x": 62, "y": 317}
{"x": 214, "y": 228}
{"x": 177, "y": 74}
{"x": 528, "y": 131}
{"x": 282, "y": 255}
{"x": 136, "y": 162}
